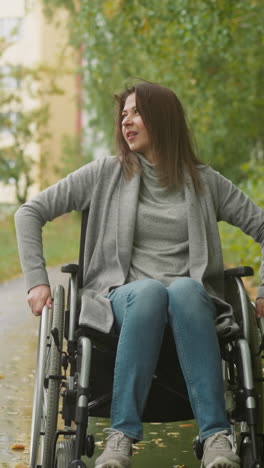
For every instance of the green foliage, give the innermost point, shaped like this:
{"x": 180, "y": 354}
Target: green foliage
{"x": 16, "y": 162}
{"x": 237, "y": 247}
{"x": 22, "y": 125}
{"x": 208, "y": 52}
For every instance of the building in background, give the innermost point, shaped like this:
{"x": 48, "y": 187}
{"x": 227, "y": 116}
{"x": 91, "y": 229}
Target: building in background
{"x": 35, "y": 42}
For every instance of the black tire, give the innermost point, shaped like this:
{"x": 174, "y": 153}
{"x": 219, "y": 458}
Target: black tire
{"x": 46, "y": 396}
{"x": 41, "y": 365}
{"x": 246, "y": 454}
{"x": 53, "y": 393}
{"x": 254, "y": 343}
{"x": 257, "y": 367}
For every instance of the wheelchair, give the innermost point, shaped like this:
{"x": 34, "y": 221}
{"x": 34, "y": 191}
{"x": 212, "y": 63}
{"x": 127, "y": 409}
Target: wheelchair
{"x": 74, "y": 378}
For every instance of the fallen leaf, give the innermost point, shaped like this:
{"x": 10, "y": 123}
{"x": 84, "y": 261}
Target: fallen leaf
{"x": 173, "y": 434}
{"x": 186, "y": 425}
{"x": 158, "y": 442}
{"x": 18, "y": 447}
{"x": 138, "y": 448}
{"x": 100, "y": 443}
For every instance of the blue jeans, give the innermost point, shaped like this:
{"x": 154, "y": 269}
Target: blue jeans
{"x": 141, "y": 310}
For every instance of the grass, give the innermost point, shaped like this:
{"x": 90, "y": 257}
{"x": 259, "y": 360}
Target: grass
{"x": 60, "y": 240}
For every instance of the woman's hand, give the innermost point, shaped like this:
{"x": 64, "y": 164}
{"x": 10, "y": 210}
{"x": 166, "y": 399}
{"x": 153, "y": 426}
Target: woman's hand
{"x": 260, "y": 307}
{"x": 38, "y": 297}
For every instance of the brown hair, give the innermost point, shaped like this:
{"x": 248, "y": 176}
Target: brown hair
{"x": 164, "y": 119}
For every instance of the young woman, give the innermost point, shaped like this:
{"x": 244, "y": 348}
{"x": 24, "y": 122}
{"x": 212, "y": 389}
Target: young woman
{"x": 153, "y": 258}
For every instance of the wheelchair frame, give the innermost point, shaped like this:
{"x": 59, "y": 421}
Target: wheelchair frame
{"x": 243, "y": 375}
{"x": 63, "y": 373}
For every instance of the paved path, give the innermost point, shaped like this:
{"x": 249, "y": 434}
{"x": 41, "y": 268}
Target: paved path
{"x": 18, "y": 337}
{"x": 14, "y": 310}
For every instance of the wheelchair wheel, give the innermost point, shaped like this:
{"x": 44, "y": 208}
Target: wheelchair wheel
{"x": 64, "y": 453}
{"x": 245, "y": 447}
{"x": 246, "y": 457}
{"x": 255, "y": 341}
{"x": 257, "y": 367}
{"x": 47, "y": 383}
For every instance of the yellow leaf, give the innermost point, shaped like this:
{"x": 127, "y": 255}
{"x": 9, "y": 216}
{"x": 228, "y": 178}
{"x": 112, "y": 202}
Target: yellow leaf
{"x": 111, "y": 7}
{"x": 186, "y": 425}
{"x": 18, "y": 447}
{"x": 145, "y": 27}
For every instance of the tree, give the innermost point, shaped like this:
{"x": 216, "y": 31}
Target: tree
{"x": 209, "y": 52}
{"x": 23, "y": 126}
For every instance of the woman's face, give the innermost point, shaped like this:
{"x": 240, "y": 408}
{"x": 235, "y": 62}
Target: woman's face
{"x": 134, "y": 130}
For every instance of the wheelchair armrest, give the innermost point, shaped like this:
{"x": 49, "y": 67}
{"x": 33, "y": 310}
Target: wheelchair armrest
{"x": 239, "y": 271}
{"x": 72, "y": 268}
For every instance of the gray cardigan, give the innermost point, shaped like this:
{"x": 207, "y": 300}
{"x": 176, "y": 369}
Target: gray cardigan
{"x": 112, "y": 202}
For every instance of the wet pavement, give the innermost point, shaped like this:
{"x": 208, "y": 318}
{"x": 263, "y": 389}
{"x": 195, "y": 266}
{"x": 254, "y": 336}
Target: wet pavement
{"x": 164, "y": 445}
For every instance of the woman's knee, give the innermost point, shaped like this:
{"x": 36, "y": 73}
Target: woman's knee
{"x": 149, "y": 290}
{"x": 148, "y": 298}
{"x": 148, "y": 285}
{"x": 188, "y": 296}
{"x": 185, "y": 287}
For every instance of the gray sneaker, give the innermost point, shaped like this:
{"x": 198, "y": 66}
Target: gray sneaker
{"x": 218, "y": 452}
{"x": 117, "y": 452}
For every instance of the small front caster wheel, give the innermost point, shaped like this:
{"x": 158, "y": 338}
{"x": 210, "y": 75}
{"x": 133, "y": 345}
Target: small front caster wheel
{"x": 77, "y": 464}
{"x": 89, "y": 445}
{"x": 198, "y": 447}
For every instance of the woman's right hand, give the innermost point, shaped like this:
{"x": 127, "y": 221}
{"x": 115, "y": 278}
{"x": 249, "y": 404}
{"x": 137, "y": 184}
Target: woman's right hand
{"x": 38, "y": 297}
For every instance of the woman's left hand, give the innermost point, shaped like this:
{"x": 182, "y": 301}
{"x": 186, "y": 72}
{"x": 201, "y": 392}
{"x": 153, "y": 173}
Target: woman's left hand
{"x": 260, "y": 307}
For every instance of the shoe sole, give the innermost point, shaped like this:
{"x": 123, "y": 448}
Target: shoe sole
{"x": 221, "y": 462}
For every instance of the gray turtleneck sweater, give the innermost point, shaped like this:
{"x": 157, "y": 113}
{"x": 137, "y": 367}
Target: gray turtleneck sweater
{"x": 161, "y": 246}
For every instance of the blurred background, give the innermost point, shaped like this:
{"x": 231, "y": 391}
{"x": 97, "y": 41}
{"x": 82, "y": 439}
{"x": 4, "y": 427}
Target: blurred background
{"x": 61, "y": 61}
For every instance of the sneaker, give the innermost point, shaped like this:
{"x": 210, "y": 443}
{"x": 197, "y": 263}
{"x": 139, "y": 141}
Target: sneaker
{"x": 117, "y": 452}
{"x": 218, "y": 452}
